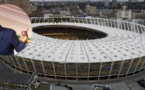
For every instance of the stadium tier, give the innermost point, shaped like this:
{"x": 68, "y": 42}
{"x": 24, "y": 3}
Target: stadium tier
{"x": 107, "y": 49}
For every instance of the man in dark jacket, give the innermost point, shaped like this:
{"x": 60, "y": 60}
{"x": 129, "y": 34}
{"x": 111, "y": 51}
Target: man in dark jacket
{"x": 10, "y": 42}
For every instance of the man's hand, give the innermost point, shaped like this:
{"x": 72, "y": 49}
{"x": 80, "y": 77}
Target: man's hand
{"x": 24, "y": 36}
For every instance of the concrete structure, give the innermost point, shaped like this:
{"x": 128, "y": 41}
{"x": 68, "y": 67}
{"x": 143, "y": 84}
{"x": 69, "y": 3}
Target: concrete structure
{"x": 24, "y": 4}
{"x": 130, "y": 14}
{"x": 124, "y": 14}
{"x": 91, "y": 10}
{"x": 117, "y": 55}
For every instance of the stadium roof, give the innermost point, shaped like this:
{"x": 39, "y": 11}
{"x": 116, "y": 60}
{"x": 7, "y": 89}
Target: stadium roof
{"x": 117, "y": 46}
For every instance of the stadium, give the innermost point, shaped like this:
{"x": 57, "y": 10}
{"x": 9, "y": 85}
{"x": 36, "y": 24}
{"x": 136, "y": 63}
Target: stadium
{"x": 82, "y": 49}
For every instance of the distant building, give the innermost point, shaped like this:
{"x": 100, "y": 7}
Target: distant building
{"x": 139, "y": 21}
{"x": 92, "y": 10}
{"x": 46, "y": 11}
{"x": 106, "y": 3}
{"x": 33, "y": 8}
{"x": 24, "y": 4}
{"x": 124, "y": 14}
{"x": 66, "y": 13}
{"x": 48, "y": 15}
{"x": 114, "y": 3}
{"x": 133, "y": 0}
{"x": 87, "y": 8}
{"x": 138, "y": 15}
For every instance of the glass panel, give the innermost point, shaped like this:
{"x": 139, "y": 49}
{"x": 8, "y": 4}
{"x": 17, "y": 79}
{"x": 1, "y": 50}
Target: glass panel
{"x": 129, "y": 26}
{"x": 123, "y": 26}
{"x": 140, "y": 63}
{"x": 29, "y": 64}
{"x": 133, "y": 66}
{"x": 109, "y": 22}
{"x": 94, "y": 69}
{"x": 115, "y": 23}
{"x": 38, "y": 66}
{"x": 37, "y": 20}
{"x": 59, "y": 20}
{"x": 140, "y": 29}
{"x": 72, "y": 20}
{"x": 99, "y": 21}
{"x": 51, "y": 20}
{"x": 9, "y": 60}
{"x": 89, "y": 21}
{"x": 14, "y": 60}
{"x": 106, "y": 21}
{"x": 59, "y": 69}
{"x": 68, "y": 19}
{"x": 48, "y": 67}
{"x": 125, "y": 66}
{"x": 82, "y": 69}
{"x": 80, "y": 20}
{"x": 105, "y": 69}
{"x": 136, "y": 28}
{"x": 46, "y": 20}
{"x": 116, "y": 67}
{"x": 96, "y": 22}
{"x": 20, "y": 60}
{"x": 41, "y": 20}
{"x": 5, "y": 58}
{"x": 144, "y": 63}
{"x": 33, "y": 21}
{"x": 126, "y": 26}
{"x": 71, "y": 69}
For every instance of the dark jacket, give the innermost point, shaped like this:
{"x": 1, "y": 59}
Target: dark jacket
{"x": 9, "y": 41}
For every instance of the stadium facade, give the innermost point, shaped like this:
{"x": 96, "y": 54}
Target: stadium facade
{"x": 120, "y": 53}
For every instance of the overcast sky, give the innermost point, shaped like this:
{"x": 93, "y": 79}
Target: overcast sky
{"x": 78, "y": 0}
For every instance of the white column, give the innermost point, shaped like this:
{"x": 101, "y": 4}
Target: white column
{"x": 43, "y": 68}
{"x": 65, "y": 70}
{"x": 12, "y": 61}
{"x": 111, "y": 69}
{"x": 18, "y": 62}
{"x": 137, "y": 64}
{"x": 32, "y": 61}
{"x": 100, "y": 71}
{"x": 121, "y": 68}
{"x": 129, "y": 66}
{"x": 25, "y": 64}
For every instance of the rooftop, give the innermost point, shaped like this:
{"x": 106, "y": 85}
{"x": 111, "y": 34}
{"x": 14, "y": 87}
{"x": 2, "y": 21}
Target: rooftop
{"x": 117, "y": 46}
